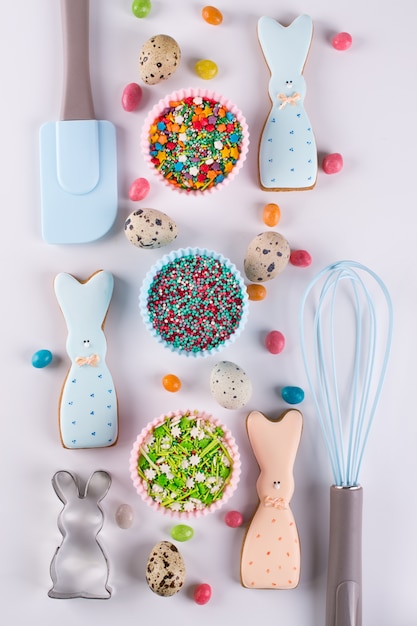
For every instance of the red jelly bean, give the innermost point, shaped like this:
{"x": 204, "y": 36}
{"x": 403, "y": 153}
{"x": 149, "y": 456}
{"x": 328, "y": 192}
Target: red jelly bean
{"x": 131, "y": 97}
{"x": 300, "y": 258}
{"x": 234, "y": 519}
{"x": 202, "y": 593}
{"x": 275, "y": 342}
{"x": 342, "y": 41}
{"x": 139, "y": 189}
{"x": 332, "y": 163}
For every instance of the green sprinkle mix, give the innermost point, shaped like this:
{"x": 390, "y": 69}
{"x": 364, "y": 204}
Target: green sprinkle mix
{"x": 185, "y": 462}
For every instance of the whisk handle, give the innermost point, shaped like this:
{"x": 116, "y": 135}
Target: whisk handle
{"x": 344, "y": 573}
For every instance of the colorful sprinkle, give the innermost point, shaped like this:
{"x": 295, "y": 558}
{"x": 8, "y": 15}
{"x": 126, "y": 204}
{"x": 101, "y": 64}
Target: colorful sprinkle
{"x": 185, "y": 463}
{"x": 195, "y": 143}
{"x": 195, "y": 303}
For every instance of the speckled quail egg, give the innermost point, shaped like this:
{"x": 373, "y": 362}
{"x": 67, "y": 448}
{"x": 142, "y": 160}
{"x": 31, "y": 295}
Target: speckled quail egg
{"x": 266, "y": 256}
{"x": 159, "y": 58}
{"x": 165, "y": 569}
{"x": 149, "y": 228}
{"x": 230, "y": 386}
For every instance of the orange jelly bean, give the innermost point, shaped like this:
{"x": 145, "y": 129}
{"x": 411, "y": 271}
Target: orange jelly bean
{"x": 271, "y": 214}
{"x": 256, "y": 292}
{"x": 171, "y": 382}
{"x": 212, "y": 15}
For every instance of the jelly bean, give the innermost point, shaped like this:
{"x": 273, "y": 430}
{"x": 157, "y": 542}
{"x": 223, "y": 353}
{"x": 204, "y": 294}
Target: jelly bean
{"x": 202, "y": 593}
{"x": 124, "y": 516}
{"x": 300, "y": 258}
{"x": 234, "y": 519}
{"x": 275, "y": 342}
{"x": 41, "y": 358}
{"x": 212, "y": 15}
{"x": 171, "y": 383}
{"x": 332, "y": 163}
{"x": 292, "y": 395}
{"x": 182, "y": 532}
{"x": 139, "y": 189}
{"x": 271, "y": 214}
{"x": 256, "y": 292}
{"x": 141, "y": 8}
{"x": 131, "y": 97}
{"x": 342, "y": 41}
{"x": 206, "y": 69}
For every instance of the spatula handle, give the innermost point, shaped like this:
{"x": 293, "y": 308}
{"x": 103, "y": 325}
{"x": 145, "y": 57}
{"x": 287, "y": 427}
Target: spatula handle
{"x": 77, "y": 101}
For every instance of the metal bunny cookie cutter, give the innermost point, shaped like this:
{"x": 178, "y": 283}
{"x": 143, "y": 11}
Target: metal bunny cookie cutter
{"x": 79, "y": 568}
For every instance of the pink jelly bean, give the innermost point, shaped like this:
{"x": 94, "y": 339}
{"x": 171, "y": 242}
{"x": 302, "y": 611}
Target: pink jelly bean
{"x": 131, "y": 97}
{"x": 234, "y": 519}
{"x": 275, "y": 342}
{"x": 342, "y": 41}
{"x": 202, "y": 593}
{"x": 332, "y": 163}
{"x": 300, "y": 258}
{"x": 139, "y": 189}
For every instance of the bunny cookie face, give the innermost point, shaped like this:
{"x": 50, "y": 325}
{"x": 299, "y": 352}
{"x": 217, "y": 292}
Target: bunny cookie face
{"x": 271, "y": 551}
{"x": 79, "y": 568}
{"x": 88, "y": 416}
{"x": 287, "y": 151}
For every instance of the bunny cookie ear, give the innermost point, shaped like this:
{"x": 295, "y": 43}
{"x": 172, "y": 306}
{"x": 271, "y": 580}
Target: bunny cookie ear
{"x": 285, "y": 46}
{"x": 268, "y": 436}
{"x": 89, "y": 299}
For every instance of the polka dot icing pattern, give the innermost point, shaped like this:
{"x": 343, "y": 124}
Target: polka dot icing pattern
{"x": 185, "y": 464}
{"x": 195, "y": 141}
{"x": 194, "y": 302}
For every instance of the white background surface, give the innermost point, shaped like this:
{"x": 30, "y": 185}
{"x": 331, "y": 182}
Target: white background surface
{"x": 362, "y": 104}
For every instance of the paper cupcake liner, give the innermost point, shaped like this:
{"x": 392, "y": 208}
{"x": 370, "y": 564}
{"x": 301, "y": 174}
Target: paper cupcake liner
{"x": 177, "y": 96}
{"x": 169, "y": 258}
{"x": 141, "y": 485}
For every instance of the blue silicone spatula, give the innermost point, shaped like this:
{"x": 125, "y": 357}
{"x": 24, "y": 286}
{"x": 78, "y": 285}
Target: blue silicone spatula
{"x": 78, "y": 155}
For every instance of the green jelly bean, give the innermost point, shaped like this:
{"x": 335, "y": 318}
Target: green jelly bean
{"x": 182, "y": 532}
{"x": 141, "y": 8}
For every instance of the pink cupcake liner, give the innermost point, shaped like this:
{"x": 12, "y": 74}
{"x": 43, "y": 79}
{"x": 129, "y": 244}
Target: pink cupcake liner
{"x": 177, "y": 96}
{"x": 141, "y": 485}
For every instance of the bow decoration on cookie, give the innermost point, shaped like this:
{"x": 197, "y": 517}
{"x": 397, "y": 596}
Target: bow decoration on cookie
{"x": 92, "y": 360}
{"x": 276, "y": 503}
{"x": 288, "y": 99}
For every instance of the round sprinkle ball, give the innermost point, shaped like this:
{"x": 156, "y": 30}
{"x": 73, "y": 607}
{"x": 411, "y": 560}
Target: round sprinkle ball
{"x": 256, "y": 292}
{"x": 182, "y": 532}
{"x": 131, "y": 97}
{"x": 171, "y": 383}
{"x": 212, "y": 15}
{"x": 271, "y": 214}
{"x": 332, "y": 163}
{"x": 139, "y": 189}
{"x": 206, "y": 69}
{"x": 41, "y": 358}
{"x": 292, "y": 395}
{"x": 300, "y": 258}
{"x": 342, "y": 41}
{"x": 202, "y": 593}
{"x": 141, "y": 8}
{"x": 233, "y": 519}
{"x": 124, "y": 516}
{"x": 275, "y": 342}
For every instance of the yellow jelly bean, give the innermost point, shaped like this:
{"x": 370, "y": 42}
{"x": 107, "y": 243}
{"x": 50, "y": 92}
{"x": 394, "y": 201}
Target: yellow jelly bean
{"x": 206, "y": 69}
{"x": 271, "y": 214}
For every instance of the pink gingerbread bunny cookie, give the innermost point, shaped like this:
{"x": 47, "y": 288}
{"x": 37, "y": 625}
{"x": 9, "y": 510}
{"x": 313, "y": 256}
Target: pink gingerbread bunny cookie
{"x": 270, "y": 556}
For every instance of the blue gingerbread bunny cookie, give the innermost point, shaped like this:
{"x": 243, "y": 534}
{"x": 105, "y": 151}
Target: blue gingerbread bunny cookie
{"x": 287, "y": 150}
{"x": 88, "y": 412}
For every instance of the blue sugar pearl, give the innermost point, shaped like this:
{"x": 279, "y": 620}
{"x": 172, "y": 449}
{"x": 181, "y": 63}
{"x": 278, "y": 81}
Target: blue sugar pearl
{"x": 292, "y": 395}
{"x": 41, "y": 358}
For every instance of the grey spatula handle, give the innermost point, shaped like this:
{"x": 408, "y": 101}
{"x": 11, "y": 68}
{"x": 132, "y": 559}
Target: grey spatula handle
{"x": 344, "y": 574}
{"x": 77, "y": 101}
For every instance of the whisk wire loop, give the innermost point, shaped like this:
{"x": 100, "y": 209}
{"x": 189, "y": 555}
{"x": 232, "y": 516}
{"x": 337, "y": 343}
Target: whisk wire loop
{"x": 345, "y": 404}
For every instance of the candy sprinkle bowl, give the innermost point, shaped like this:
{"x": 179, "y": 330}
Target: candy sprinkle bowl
{"x": 195, "y": 140}
{"x": 194, "y": 302}
{"x": 185, "y": 464}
